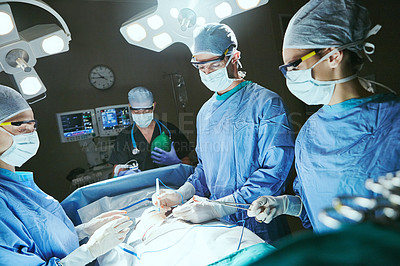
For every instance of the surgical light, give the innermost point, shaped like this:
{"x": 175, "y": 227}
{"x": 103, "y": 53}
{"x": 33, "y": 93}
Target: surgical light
{"x": 30, "y": 85}
{"x": 162, "y": 40}
{"x": 173, "y": 21}
{"x": 155, "y": 22}
{"x": 53, "y": 44}
{"x": 174, "y": 12}
{"x": 19, "y": 50}
{"x": 136, "y": 32}
{"x": 247, "y": 4}
{"x": 223, "y": 10}
{"x": 6, "y": 24}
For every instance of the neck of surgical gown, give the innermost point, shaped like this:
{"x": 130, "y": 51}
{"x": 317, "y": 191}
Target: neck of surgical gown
{"x": 245, "y": 148}
{"x": 34, "y": 228}
{"x": 342, "y": 145}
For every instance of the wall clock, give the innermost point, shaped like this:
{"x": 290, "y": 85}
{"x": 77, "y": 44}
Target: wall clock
{"x": 101, "y": 77}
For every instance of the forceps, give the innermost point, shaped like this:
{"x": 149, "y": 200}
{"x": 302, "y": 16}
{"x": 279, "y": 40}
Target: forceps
{"x": 231, "y": 204}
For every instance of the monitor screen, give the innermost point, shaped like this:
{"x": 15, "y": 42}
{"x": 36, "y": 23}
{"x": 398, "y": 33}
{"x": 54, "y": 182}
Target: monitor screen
{"x": 77, "y": 125}
{"x": 113, "y": 119}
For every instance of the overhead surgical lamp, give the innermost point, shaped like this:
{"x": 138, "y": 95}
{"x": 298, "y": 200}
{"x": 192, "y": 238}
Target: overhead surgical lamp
{"x": 174, "y": 20}
{"x": 19, "y": 50}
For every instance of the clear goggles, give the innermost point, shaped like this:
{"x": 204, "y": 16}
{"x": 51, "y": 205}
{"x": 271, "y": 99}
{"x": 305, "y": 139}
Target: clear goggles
{"x": 212, "y": 65}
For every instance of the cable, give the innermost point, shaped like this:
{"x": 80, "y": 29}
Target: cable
{"x": 171, "y": 189}
{"x": 139, "y": 256}
{"x": 127, "y": 207}
{"x": 241, "y": 234}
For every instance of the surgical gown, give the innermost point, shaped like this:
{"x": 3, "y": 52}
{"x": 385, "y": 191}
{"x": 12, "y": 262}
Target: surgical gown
{"x": 34, "y": 229}
{"x": 342, "y": 145}
{"x": 245, "y": 147}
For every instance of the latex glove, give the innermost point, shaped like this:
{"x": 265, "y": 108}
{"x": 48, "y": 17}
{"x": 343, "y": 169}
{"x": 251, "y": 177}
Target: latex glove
{"x": 160, "y": 156}
{"x": 108, "y": 236}
{"x": 87, "y": 229}
{"x": 168, "y": 197}
{"x": 128, "y": 172}
{"x": 266, "y": 208}
{"x": 104, "y": 239}
{"x": 199, "y": 209}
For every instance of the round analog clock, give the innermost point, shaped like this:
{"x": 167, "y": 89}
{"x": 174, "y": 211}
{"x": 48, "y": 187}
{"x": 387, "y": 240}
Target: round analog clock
{"x": 101, "y": 77}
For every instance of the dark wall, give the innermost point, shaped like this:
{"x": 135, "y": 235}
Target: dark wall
{"x": 96, "y": 39}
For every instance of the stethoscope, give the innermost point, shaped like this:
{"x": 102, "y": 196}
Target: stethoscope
{"x": 135, "y": 149}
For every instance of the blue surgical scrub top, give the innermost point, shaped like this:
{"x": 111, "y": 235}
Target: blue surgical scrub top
{"x": 245, "y": 147}
{"x": 342, "y": 145}
{"x": 34, "y": 229}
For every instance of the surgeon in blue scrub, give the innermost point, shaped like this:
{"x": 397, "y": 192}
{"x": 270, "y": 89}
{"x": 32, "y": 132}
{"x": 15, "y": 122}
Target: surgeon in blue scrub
{"x": 356, "y": 133}
{"x": 34, "y": 229}
{"x": 244, "y": 140}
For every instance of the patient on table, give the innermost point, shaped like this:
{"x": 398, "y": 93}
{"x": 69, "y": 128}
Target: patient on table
{"x": 159, "y": 239}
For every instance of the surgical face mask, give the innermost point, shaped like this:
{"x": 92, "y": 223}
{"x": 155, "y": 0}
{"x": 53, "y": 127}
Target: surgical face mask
{"x": 143, "y": 120}
{"x": 218, "y": 80}
{"x": 312, "y": 91}
{"x": 23, "y": 148}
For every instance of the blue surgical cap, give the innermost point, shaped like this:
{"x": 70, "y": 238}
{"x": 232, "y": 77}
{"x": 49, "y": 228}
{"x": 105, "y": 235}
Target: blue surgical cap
{"x": 140, "y": 97}
{"x": 328, "y": 23}
{"x": 11, "y": 103}
{"x": 213, "y": 39}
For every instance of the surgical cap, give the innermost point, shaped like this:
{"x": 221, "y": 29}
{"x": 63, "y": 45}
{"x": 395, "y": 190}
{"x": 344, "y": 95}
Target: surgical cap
{"x": 11, "y": 103}
{"x": 328, "y": 23}
{"x": 140, "y": 97}
{"x": 213, "y": 39}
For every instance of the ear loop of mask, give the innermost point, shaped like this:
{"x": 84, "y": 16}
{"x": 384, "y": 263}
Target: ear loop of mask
{"x": 368, "y": 49}
{"x": 241, "y": 73}
{"x": 227, "y": 63}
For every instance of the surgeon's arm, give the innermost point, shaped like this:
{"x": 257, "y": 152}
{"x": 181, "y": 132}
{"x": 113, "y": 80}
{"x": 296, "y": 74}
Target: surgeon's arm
{"x": 275, "y": 158}
{"x": 198, "y": 180}
{"x": 298, "y": 190}
{"x": 16, "y": 246}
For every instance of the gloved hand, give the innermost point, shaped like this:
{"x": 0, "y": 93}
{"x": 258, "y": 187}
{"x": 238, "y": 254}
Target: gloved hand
{"x": 87, "y": 229}
{"x": 266, "y": 208}
{"x": 168, "y": 197}
{"x": 160, "y": 156}
{"x": 199, "y": 209}
{"x": 103, "y": 239}
{"x": 128, "y": 172}
{"x": 108, "y": 236}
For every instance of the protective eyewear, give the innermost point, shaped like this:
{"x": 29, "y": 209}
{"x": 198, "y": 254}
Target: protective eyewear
{"x": 20, "y": 123}
{"x": 292, "y": 65}
{"x": 212, "y": 65}
{"x": 142, "y": 110}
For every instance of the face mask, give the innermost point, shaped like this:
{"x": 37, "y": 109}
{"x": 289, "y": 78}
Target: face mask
{"x": 143, "y": 120}
{"x": 23, "y": 148}
{"x": 312, "y": 91}
{"x": 218, "y": 80}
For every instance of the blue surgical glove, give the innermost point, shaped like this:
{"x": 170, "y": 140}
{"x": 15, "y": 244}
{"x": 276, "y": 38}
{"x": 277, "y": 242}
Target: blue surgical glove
{"x": 160, "y": 156}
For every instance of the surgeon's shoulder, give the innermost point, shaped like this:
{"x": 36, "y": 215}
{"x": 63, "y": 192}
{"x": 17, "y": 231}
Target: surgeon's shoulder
{"x": 264, "y": 97}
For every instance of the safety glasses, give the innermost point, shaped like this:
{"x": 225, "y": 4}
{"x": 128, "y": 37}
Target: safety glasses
{"x": 292, "y": 65}
{"x": 20, "y": 123}
{"x": 212, "y": 65}
{"x": 142, "y": 110}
